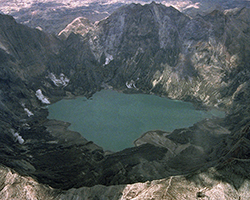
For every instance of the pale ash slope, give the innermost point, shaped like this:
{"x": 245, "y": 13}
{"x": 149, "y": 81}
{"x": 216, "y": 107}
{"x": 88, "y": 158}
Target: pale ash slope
{"x": 204, "y": 185}
{"x": 229, "y": 179}
{"x": 79, "y": 25}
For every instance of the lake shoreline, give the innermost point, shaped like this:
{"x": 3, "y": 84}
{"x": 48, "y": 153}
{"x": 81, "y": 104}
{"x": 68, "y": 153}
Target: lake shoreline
{"x": 133, "y": 121}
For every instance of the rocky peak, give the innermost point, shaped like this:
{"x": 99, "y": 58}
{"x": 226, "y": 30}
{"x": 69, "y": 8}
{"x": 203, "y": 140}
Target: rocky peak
{"x": 7, "y": 20}
{"x": 80, "y": 25}
{"x": 243, "y": 14}
{"x": 148, "y": 27}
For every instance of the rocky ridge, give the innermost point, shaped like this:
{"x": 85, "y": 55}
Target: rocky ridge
{"x": 181, "y": 57}
{"x": 79, "y": 25}
{"x": 203, "y": 60}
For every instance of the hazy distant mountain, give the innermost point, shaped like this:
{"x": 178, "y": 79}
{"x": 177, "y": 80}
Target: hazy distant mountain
{"x": 53, "y": 16}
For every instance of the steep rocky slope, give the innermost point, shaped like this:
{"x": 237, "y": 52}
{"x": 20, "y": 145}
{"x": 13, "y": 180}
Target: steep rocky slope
{"x": 163, "y": 51}
{"x": 151, "y": 49}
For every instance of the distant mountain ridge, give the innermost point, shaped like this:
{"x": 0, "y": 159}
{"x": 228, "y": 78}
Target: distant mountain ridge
{"x": 54, "y": 16}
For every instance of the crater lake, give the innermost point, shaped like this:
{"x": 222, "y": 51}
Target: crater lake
{"x": 113, "y": 120}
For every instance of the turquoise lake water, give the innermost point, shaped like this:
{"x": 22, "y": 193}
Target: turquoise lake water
{"x": 114, "y": 120}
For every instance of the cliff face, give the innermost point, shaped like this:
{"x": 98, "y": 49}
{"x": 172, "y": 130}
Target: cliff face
{"x": 163, "y": 51}
{"x": 151, "y": 49}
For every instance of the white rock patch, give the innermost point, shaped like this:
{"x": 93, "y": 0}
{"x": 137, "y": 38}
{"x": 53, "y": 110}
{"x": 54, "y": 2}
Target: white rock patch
{"x": 29, "y": 113}
{"x": 108, "y": 59}
{"x": 3, "y": 48}
{"x": 18, "y": 138}
{"x": 61, "y": 81}
{"x": 131, "y": 84}
{"x": 41, "y": 97}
